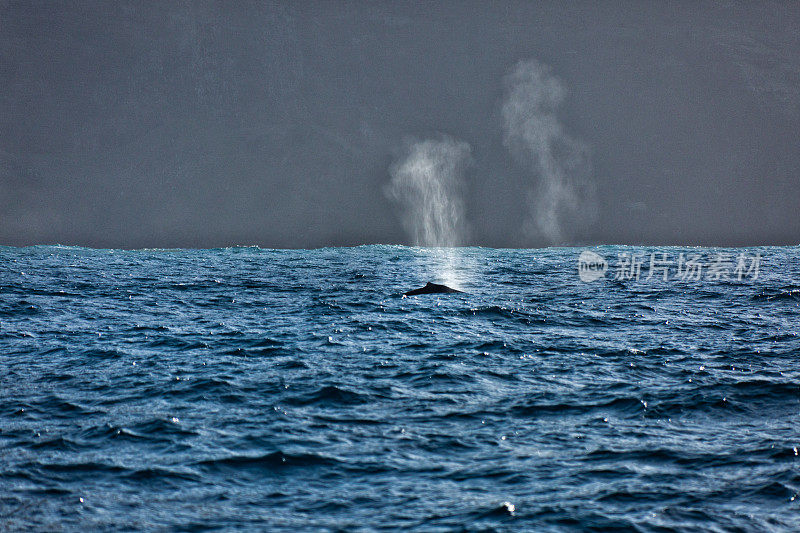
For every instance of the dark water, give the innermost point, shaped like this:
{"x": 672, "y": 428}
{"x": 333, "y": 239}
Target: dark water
{"x": 264, "y": 389}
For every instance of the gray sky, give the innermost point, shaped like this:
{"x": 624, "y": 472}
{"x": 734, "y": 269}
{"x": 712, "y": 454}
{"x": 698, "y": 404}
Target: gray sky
{"x": 136, "y": 124}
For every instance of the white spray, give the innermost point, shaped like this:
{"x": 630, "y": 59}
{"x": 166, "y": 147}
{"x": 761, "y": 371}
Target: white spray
{"x": 427, "y": 183}
{"x": 562, "y": 197}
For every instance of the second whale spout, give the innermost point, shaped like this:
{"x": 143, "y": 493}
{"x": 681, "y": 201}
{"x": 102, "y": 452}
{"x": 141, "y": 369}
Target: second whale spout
{"x": 432, "y": 288}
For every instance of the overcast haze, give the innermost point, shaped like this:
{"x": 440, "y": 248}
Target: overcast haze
{"x": 137, "y": 124}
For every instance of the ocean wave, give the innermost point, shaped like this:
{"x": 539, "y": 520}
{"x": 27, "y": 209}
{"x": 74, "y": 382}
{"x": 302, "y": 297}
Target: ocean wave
{"x": 246, "y": 388}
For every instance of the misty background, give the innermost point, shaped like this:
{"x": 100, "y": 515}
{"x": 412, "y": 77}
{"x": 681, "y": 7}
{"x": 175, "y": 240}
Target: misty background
{"x": 204, "y": 124}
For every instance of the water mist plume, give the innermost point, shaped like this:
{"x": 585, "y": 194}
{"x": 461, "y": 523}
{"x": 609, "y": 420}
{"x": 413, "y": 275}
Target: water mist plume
{"x": 426, "y": 183}
{"x": 562, "y": 199}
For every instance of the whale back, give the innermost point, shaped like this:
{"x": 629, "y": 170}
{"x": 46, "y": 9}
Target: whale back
{"x": 431, "y": 288}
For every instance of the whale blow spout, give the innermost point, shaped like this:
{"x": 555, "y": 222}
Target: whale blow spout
{"x": 432, "y": 288}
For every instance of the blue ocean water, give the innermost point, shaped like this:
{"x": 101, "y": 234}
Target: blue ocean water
{"x": 297, "y": 389}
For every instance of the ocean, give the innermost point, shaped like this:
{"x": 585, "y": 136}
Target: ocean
{"x": 248, "y": 388}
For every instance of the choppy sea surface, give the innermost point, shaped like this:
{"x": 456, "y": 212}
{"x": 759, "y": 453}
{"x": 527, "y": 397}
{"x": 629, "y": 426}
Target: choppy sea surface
{"x": 247, "y": 388}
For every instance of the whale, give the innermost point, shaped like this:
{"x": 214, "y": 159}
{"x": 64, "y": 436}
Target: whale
{"x": 431, "y": 288}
